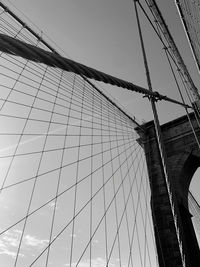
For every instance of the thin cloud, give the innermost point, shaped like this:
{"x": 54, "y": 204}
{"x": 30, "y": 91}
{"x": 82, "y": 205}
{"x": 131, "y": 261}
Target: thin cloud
{"x": 6, "y": 251}
{"x": 9, "y": 243}
{"x": 35, "y": 242}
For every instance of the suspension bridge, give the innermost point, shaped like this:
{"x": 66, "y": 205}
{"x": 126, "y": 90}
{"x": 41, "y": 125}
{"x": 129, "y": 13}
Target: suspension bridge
{"x": 83, "y": 183}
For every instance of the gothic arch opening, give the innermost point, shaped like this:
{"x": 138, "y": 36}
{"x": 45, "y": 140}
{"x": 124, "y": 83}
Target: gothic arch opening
{"x": 189, "y": 167}
{"x": 194, "y": 203}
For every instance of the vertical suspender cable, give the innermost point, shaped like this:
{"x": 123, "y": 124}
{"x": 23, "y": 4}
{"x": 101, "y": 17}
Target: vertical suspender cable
{"x": 157, "y": 128}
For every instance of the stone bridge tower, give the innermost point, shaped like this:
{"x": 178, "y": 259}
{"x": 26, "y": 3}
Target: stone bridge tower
{"x": 183, "y": 158}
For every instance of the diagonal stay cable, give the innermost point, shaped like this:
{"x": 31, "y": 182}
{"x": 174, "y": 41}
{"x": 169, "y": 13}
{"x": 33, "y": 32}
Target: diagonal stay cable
{"x": 18, "y": 48}
{"x": 76, "y": 178}
{"x": 66, "y": 147}
{"x": 115, "y": 202}
{"x": 124, "y": 197}
{"x": 62, "y": 96}
{"x": 34, "y": 181}
{"x": 59, "y": 177}
{"x": 19, "y": 74}
{"x": 176, "y": 56}
{"x": 79, "y": 212}
{"x": 97, "y": 91}
{"x": 21, "y": 134}
{"x": 60, "y": 123}
{"x": 64, "y": 89}
{"x": 46, "y": 110}
{"x": 135, "y": 225}
{"x": 135, "y": 210}
{"x": 45, "y": 100}
{"x": 108, "y": 207}
{"x": 147, "y": 194}
{"x": 124, "y": 210}
{"x": 103, "y": 190}
{"x": 124, "y": 201}
{"x": 63, "y": 192}
{"x": 143, "y": 217}
{"x": 64, "y": 166}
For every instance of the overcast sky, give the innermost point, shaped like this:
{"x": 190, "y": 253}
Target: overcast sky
{"x": 103, "y": 34}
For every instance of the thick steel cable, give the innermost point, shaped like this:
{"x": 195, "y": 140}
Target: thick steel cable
{"x": 24, "y": 127}
{"x": 172, "y": 46}
{"x": 104, "y": 131}
{"x": 115, "y": 126}
{"x": 16, "y": 47}
{"x": 50, "y": 94}
{"x": 161, "y": 28}
{"x": 186, "y": 110}
{"x": 159, "y": 138}
{"x": 181, "y": 95}
{"x": 88, "y": 109}
{"x": 37, "y": 37}
{"x": 183, "y": 72}
{"x": 191, "y": 26}
{"x": 94, "y": 128}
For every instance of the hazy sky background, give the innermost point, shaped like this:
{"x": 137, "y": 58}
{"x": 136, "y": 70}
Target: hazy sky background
{"x": 103, "y": 35}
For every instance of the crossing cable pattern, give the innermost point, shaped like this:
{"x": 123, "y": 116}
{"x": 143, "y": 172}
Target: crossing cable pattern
{"x": 173, "y": 56}
{"x": 172, "y": 47}
{"x": 162, "y": 28}
{"x": 30, "y": 52}
{"x": 175, "y": 61}
{"x": 74, "y": 186}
